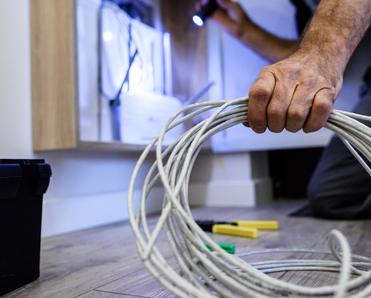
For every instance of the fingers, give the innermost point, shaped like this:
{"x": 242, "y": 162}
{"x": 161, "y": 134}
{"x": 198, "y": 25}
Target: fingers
{"x": 299, "y": 108}
{"x": 294, "y": 94}
{"x": 279, "y": 104}
{"x": 233, "y": 9}
{"x": 231, "y": 17}
{"x": 259, "y": 97}
{"x": 321, "y": 109}
{"x": 228, "y": 15}
{"x": 224, "y": 20}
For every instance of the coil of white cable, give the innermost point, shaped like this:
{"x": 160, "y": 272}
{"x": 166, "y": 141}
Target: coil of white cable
{"x": 198, "y": 272}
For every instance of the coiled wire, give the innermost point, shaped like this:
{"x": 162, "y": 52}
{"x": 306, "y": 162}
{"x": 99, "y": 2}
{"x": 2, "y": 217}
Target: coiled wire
{"x": 194, "y": 271}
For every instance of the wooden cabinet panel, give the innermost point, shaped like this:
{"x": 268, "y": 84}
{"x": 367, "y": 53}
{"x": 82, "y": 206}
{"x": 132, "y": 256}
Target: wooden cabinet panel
{"x": 54, "y": 81}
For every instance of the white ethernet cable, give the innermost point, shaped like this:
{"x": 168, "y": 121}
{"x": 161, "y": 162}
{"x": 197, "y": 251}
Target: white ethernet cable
{"x": 194, "y": 271}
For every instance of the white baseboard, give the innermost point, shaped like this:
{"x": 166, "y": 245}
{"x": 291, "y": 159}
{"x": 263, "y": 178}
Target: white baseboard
{"x": 223, "y": 193}
{"x": 263, "y": 190}
{"x": 62, "y": 215}
{"x": 229, "y": 193}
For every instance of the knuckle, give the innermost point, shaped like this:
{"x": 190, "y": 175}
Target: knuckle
{"x": 274, "y": 111}
{"x": 293, "y": 75}
{"x": 269, "y": 71}
{"x": 258, "y": 92}
{"x": 323, "y": 106}
{"x": 296, "y": 117}
{"x": 296, "y": 114}
{"x": 320, "y": 79}
{"x": 266, "y": 69}
{"x": 311, "y": 80}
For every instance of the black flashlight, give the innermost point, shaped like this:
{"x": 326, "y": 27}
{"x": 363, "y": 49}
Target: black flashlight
{"x": 207, "y": 10}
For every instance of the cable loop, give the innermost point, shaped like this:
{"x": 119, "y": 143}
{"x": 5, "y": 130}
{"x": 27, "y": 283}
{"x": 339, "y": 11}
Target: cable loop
{"x": 191, "y": 270}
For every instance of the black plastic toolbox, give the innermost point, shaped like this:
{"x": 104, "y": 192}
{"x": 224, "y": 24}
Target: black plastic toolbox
{"x": 22, "y": 185}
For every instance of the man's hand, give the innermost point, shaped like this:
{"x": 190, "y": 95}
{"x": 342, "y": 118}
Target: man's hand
{"x": 299, "y": 91}
{"x": 295, "y": 93}
{"x": 232, "y": 17}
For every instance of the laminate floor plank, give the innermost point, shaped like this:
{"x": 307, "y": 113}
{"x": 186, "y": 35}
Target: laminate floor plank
{"x": 139, "y": 284}
{"x": 103, "y": 262}
{"x": 101, "y": 294}
{"x": 75, "y": 263}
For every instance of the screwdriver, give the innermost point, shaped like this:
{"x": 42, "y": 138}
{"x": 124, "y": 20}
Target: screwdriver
{"x": 207, "y": 225}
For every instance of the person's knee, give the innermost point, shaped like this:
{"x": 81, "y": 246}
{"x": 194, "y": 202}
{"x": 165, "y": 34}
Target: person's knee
{"x": 314, "y": 202}
{"x": 312, "y": 191}
{"x": 328, "y": 203}
{"x": 321, "y": 208}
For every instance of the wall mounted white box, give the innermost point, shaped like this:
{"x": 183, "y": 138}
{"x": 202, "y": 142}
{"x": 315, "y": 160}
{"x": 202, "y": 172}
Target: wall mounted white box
{"x": 143, "y": 116}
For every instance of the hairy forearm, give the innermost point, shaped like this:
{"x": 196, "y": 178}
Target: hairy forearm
{"x": 335, "y": 30}
{"x": 266, "y": 44}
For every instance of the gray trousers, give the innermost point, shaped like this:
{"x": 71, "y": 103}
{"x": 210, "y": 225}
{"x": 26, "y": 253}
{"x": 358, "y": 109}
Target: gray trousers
{"x": 340, "y": 188}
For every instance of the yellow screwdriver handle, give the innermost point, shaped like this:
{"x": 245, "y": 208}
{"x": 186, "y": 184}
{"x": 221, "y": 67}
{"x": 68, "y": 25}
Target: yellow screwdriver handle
{"x": 235, "y": 231}
{"x": 259, "y": 224}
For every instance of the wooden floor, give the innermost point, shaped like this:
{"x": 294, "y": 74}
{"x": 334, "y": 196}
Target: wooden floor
{"x": 103, "y": 263}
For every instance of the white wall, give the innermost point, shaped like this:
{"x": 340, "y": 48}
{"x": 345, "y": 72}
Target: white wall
{"x": 87, "y": 188}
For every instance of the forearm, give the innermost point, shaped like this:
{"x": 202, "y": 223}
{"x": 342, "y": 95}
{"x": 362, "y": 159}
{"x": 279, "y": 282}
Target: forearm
{"x": 232, "y": 17}
{"x": 266, "y": 44}
{"x": 335, "y": 30}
